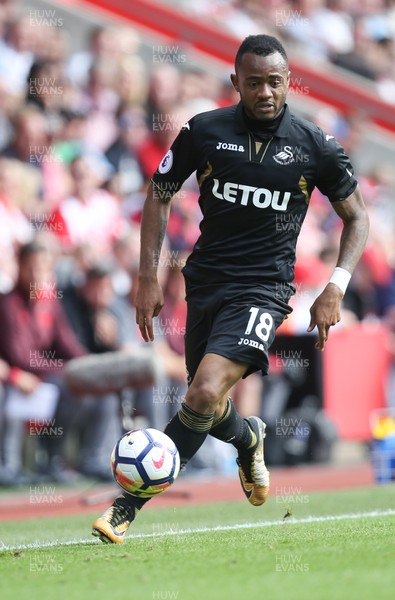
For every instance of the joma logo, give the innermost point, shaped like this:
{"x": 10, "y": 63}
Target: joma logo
{"x": 225, "y": 146}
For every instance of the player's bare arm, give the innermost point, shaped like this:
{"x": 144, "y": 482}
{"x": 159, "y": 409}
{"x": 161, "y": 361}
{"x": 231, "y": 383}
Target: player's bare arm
{"x": 149, "y": 298}
{"x": 325, "y": 311}
{"x": 355, "y": 218}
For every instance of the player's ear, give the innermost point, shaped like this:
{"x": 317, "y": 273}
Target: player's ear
{"x": 288, "y": 78}
{"x": 235, "y": 82}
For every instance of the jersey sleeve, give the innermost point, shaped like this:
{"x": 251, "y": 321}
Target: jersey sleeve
{"x": 178, "y": 163}
{"x": 335, "y": 173}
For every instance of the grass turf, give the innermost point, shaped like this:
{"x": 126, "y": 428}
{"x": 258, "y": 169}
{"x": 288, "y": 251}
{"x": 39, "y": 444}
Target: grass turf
{"x": 343, "y": 559}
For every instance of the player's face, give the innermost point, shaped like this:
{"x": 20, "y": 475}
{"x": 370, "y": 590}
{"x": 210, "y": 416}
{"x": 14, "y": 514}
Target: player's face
{"x": 262, "y": 82}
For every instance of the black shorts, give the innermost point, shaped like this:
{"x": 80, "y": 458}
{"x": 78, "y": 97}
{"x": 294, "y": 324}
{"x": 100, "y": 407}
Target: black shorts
{"x": 235, "y": 321}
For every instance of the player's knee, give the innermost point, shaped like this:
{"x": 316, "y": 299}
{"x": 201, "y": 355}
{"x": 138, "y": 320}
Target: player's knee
{"x": 203, "y": 397}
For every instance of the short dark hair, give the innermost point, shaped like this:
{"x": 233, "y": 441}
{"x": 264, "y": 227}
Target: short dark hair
{"x": 262, "y": 45}
{"x": 31, "y": 248}
{"x": 99, "y": 271}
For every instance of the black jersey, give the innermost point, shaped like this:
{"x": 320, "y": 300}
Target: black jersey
{"x": 255, "y": 188}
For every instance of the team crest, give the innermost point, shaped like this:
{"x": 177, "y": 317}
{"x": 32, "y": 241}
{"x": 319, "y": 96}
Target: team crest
{"x": 284, "y": 157}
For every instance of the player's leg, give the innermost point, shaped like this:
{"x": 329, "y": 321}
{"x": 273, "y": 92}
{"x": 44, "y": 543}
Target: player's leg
{"x": 207, "y": 402}
{"x": 244, "y": 330}
{"x": 206, "y": 397}
{"x": 254, "y": 476}
{"x": 233, "y": 336}
{"x": 215, "y": 362}
{"x": 111, "y": 527}
{"x": 204, "y": 401}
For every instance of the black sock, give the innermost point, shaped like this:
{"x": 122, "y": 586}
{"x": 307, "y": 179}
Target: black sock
{"x": 188, "y": 430}
{"x": 127, "y": 499}
{"x": 233, "y": 429}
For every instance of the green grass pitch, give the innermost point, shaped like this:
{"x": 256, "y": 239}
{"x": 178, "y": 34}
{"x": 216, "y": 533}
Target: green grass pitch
{"x": 229, "y": 551}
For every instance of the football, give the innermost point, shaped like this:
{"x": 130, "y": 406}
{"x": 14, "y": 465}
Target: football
{"x": 145, "y": 462}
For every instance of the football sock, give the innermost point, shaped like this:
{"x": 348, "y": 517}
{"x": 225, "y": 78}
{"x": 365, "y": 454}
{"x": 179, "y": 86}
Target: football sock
{"x": 125, "y": 499}
{"x": 188, "y": 429}
{"x": 233, "y": 429}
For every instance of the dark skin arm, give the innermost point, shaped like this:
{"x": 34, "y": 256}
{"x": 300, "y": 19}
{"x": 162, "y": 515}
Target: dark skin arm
{"x": 325, "y": 311}
{"x": 149, "y": 297}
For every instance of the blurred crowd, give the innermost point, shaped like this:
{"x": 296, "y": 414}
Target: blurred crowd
{"x": 358, "y": 35}
{"x": 81, "y": 133}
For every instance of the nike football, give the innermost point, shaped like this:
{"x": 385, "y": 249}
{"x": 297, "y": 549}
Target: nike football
{"x": 145, "y": 462}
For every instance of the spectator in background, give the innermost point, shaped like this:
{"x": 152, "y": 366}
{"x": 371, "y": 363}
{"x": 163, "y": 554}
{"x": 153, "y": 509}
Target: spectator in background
{"x": 17, "y": 53}
{"x": 360, "y": 300}
{"x": 71, "y": 140}
{"x": 35, "y": 341}
{"x": 14, "y": 226}
{"x": 103, "y": 322}
{"x": 18, "y": 195}
{"x": 53, "y": 45}
{"x": 90, "y": 214}
{"x": 102, "y": 44}
{"x": 105, "y": 42}
{"x": 164, "y": 128}
{"x": 361, "y": 58}
{"x": 31, "y": 137}
{"x": 164, "y": 89}
{"x": 122, "y": 154}
{"x": 143, "y": 410}
{"x": 100, "y": 101}
{"x": 240, "y": 17}
{"x": 312, "y": 24}
{"x": 46, "y": 87}
{"x": 108, "y": 74}
{"x": 32, "y": 145}
{"x": 132, "y": 81}
{"x": 163, "y": 119}
{"x": 126, "y": 259}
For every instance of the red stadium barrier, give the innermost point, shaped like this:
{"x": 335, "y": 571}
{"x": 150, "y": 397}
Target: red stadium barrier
{"x": 356, "y": 366}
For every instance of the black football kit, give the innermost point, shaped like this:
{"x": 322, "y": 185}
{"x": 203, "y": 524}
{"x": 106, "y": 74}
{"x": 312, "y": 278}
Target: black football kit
{"x": 255, "y": 183}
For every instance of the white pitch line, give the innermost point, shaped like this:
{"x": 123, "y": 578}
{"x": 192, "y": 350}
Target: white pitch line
{"x": 171, "y": 532}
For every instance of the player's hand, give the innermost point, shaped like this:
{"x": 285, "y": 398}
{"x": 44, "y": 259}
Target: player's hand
{"x": 106, "y": 329}
{"x": 149, "y": 302}
{"x": 4, "y": 370}
{"x": 325, "y": 312}
{"x": 26, "y": 382}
